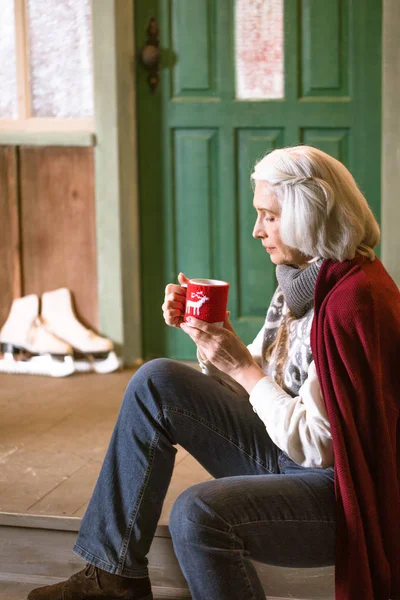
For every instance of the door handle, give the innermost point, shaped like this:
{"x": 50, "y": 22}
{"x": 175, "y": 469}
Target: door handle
{"x": 150, "y": 54}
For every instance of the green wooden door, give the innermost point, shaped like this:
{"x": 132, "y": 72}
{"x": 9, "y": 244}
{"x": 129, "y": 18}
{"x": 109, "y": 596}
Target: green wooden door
{"x": 198, "y": 142}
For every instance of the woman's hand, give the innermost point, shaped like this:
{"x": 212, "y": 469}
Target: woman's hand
{"x": 223, "y": 348}
{"x": 174, "y": 302}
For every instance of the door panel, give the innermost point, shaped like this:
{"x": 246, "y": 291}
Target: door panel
{"x": 324, "y": 66}
{"x": 193, "y": 31}
{"x": 196, "y": 196}
{"x": 332, "y": 141}
{"x": 195, "y": 152}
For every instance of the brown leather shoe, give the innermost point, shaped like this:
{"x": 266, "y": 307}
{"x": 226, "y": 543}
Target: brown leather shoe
{"x": 94, "y": 584}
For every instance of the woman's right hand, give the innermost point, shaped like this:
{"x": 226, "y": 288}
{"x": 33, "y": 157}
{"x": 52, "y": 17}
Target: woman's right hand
{"x": 174, "y": 302}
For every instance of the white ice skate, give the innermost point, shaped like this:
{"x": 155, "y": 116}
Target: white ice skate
{"x": 26, "y": 346}
{"x": 91, "y": 351}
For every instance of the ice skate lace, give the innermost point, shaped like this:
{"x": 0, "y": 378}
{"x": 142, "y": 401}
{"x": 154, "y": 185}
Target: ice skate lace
{"x": 92, "y": 571}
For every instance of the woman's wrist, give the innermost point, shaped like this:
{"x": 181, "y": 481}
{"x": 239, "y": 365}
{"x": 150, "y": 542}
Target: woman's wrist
{"x": 248, "y": 376}
{"x": 200, "y": 356}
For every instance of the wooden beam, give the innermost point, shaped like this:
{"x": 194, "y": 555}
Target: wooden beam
{"x": 47, "y": 138}
{"x": 39, "y": 125}
{"x": 116, "y": 177}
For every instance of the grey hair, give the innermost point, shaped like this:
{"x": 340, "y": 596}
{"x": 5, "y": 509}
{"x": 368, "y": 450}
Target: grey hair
{"x": 323, "y": 212}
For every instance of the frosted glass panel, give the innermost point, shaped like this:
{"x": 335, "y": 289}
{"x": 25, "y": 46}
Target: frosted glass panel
{"x": 8, "y": 72}
{"x": 259, "y": 49}
{"x": 60, "y": 48}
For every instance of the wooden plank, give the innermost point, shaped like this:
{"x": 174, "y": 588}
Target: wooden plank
{"x": 41, "y": 473}
{"x": 10, "y": 470}
{"x": 37, "y": 580}
{"x": 39, "y": 522}
{"x": 38, "y": 553}
{"x": 181, "y": 453}
{"x": 58, "y": 225}
{"x": 55, "y": 523}
{"x": 66, "y": 498}
{"x": 10, "y": 263}
{"x": 11, "y": 590}
{"x": 72, "y": 434}
{"x": 81, "y": 510}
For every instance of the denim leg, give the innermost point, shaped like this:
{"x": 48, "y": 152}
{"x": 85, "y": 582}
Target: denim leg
{"x": 166, "y": 403}
{"x": 218, "y": 526}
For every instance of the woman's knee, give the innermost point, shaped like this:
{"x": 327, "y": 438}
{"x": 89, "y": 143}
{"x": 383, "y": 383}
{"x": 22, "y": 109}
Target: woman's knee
{"x": 159, "y": 371}
{"x": 157, "y": 366}
{"x": 165, "y": 374}
{"x": 156, "y": 371}
{"x": 195, "y": 513}
{"x": 160, "y": 380}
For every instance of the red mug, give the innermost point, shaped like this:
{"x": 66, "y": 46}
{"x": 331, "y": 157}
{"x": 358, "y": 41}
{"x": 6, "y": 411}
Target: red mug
{"x": 207, "y": 299}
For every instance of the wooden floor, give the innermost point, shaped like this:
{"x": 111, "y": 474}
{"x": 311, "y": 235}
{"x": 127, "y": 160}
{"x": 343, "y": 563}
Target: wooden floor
{"x": 53, "y": 437}
{"x": 10, "y": 590}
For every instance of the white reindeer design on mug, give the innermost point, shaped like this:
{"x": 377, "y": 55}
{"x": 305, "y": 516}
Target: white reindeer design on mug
{"x": 195, "y": 306}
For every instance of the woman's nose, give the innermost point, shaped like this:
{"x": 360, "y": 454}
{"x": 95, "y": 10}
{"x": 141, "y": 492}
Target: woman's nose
{"x": 258, "y": 231}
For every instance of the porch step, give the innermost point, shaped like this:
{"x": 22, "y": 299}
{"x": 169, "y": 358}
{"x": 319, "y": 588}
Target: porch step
{"x": 35, "y": 550}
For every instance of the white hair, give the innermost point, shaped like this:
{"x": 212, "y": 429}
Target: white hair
{"x": 323, "y": 213}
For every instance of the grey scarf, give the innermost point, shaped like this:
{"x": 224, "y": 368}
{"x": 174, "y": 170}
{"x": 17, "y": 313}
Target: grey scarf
{"x": 298, "y": 286}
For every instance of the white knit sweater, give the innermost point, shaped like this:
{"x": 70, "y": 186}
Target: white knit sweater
{"x": 293, "y": 412}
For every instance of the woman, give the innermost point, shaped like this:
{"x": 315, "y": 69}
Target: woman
{"x": 298, "y": 429}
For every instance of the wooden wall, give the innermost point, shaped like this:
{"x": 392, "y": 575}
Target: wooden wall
{"x": 10, "y": 274}
{"x": 47, "y": 217}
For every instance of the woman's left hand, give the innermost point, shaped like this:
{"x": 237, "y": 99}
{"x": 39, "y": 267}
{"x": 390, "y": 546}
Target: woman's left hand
{"x": 222, "y": 347}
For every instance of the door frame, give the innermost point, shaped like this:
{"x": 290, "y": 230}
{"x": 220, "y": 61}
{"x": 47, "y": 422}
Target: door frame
{"x": 116, "y": 188}
{"x": 390, "y": 206}
{"x": 117, "y": 196}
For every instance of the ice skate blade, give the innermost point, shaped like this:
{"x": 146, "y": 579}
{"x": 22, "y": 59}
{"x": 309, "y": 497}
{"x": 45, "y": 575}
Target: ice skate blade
{"x": 37, "y": 365}
{"x": 91, "y": 364}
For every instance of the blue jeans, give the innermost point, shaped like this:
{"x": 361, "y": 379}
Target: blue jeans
{"x": 260, "y": 505}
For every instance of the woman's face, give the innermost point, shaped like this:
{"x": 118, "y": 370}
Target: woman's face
{"x": 267, "y": 228}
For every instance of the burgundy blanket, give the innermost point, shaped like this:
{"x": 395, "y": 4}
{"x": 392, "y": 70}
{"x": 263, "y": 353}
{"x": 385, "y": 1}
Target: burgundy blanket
{"x": 355, "y": 341}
